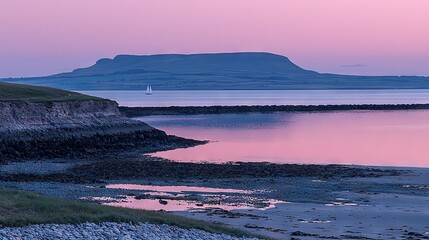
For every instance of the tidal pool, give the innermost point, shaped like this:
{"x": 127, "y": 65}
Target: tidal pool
{"x": 184, "y": 198}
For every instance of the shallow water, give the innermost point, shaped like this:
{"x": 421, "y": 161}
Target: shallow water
{"x": 382, "y": 138}
{"x": 175, "y": 205}
{"x": 175, "y": 189}
{"x": 264, "y": 97}
{"x": 185, "y": 198}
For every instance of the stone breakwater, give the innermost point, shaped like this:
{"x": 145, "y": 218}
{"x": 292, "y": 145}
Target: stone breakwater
{"x": 125, "y": 231}
{"x": 191, "y": 110}
{"x": 75, "y": 129}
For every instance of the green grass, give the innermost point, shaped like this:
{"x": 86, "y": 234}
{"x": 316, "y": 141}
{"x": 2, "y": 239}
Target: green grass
{"x": 21, "y": 208}
{"x": 35, "y": 94}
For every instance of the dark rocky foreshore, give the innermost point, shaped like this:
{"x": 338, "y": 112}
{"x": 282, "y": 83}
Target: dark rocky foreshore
{"x": 146, "y": 167}
{"x": 98, "y": 145}
{"x": 188, "y": 110}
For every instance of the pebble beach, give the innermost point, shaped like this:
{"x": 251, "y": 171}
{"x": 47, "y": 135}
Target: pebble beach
{"x": 123, "y": 231}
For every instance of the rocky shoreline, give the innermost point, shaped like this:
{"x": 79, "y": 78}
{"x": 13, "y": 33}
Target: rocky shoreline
{"x": 146, "y": 167}
{"x": 96, "y": 146}
{"x": 83, "y": 147}
{"x": 189, "y": 110}
{"x": 315, "y": 201}
{"x": 75, "y": 130}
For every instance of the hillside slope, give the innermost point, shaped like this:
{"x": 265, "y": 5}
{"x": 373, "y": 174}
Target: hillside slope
{"x": 212, "y": 72}
{"x": 34, "y": 94}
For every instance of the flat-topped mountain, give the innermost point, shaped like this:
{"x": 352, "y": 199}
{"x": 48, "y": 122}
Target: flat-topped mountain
{"x": 247, "y": 70}
{"x": 216, "y": 64}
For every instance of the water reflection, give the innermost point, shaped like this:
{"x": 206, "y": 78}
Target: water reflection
{"x": 173, "y": 205}
{"x": 385, "y": 138}
{"x": 176, "y": 189}
{"x": 184, "y": 198}
{"x": 224, "y": 121}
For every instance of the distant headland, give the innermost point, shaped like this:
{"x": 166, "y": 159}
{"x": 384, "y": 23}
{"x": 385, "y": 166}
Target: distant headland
{"x": 217, "y": 71}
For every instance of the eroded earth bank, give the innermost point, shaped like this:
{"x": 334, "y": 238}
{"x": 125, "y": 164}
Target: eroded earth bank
{"x": 92, "y": 128}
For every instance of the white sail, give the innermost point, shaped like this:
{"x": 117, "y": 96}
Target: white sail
{"x": 148, "y": 90}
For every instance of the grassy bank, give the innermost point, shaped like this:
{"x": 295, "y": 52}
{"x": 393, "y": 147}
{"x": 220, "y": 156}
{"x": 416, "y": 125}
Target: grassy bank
{"x": 20, "y": 208}
{"x": 46, "y": 95}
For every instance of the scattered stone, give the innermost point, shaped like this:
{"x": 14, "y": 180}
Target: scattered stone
{"x": 106, "y": 231}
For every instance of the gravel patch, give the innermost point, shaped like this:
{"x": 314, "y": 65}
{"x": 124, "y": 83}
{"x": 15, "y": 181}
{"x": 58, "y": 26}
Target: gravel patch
{"x": 38, "y": 167}
{"x": 125, "y": 231}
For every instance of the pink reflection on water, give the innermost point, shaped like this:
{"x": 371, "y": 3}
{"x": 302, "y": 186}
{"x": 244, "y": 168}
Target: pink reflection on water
{"x": 174, "y": 205}
{"x": 175, "y": 189}
{"x": 172, "y": 201}
{"x": 395, "y": 138}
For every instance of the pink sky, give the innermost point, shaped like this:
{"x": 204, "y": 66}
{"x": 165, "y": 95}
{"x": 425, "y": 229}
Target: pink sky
{"x": 382, "y": 37}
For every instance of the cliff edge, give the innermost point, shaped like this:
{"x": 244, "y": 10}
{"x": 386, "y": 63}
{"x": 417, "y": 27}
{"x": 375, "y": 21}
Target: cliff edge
{"x": 79, "y": 127}
{"x": 20, "y": 120}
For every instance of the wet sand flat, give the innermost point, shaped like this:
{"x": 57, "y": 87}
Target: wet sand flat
{"x": 357, "y": 208}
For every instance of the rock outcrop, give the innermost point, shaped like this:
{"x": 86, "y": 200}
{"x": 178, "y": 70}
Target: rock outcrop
{"x": 20, "y": 120}
{"x": 27, "y": 114}
{"x": 75, "y": 129}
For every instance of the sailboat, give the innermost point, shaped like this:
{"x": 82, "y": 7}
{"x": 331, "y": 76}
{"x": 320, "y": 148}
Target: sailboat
{"x": 149, "y": 90}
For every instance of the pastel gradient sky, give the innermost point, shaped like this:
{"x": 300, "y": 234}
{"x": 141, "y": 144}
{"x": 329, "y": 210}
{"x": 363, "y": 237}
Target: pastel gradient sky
{"x": 370, "y": 37}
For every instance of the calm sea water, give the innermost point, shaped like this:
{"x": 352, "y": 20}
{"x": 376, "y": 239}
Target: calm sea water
{"x": 268, "y": 97}
{"x": 390, "y": 138}
{"x": 383, "y": 138}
